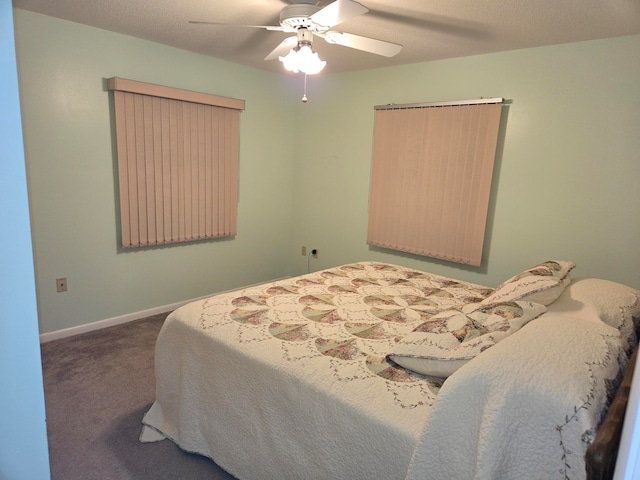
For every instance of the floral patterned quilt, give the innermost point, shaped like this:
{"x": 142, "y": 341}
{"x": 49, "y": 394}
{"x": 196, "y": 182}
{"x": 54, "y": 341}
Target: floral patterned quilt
{"x": 349, "y": 316}
{"x": 305, "y": 352}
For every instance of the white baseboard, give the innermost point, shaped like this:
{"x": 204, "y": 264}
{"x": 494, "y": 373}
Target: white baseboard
{"x": 109, "y": 322}
{"x": 129, "y": 317}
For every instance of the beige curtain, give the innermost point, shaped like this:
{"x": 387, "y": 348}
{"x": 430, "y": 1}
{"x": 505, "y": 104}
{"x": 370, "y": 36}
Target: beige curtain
{"x": 431, "y": 179}
{"x": 177, "y": 163}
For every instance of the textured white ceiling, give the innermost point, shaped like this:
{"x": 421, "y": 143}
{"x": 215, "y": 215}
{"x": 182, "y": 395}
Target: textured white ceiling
{"x": 427, "y": 29}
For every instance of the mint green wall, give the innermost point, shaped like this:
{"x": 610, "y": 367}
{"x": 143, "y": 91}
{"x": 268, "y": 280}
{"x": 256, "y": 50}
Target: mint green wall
{"x": 23, "y": 433}
{"x": 62, "y": 69}
{"x": 567, "y": 174}
{"x": 565, "y": 181}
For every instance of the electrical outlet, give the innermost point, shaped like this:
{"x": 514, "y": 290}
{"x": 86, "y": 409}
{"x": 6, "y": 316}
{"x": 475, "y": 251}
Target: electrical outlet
{"x": 61, "y": 284}
{"x": 304, "y": 251}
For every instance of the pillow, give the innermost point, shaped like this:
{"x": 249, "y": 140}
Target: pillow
{"x": 448, "y": 340}
{"x": 600, "y": 300}
{"x": 543, "y": 284}
{"x": 559, "y": 268}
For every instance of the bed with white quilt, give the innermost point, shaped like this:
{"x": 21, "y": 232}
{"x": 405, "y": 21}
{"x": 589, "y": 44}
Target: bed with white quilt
{"x": 376, "y": 371}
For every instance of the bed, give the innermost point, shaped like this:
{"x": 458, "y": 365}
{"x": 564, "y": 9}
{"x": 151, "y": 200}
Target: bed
{"x": 374, "y": 370}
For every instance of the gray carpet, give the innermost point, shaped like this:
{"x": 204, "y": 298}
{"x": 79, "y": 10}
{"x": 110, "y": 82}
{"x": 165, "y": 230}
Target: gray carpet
{"x": 98, "y": 386}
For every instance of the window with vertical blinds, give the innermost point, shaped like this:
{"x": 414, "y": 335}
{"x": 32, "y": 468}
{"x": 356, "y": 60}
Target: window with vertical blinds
{"x": 178, "y": 154}
{"x": 431, "y": 178}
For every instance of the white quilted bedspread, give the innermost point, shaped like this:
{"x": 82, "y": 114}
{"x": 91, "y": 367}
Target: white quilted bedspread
{"x": 289, "y": 380}
{"x": 534, "y": 417}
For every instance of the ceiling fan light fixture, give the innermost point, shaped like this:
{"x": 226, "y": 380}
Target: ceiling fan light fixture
{"x": 303, "y": 59}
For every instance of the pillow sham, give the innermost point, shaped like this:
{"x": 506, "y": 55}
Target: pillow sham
{"x": 543, "y": 284}
{"x": 448, "y": 340}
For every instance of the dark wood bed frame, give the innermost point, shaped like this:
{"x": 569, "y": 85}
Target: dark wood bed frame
{"x": 602, "y": 453}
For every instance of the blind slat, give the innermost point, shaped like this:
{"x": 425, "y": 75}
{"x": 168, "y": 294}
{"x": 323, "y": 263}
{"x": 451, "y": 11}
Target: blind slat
{"x": 150, "y": 200}
{"x": 132, "y": 170}
{"x": 186, "y": 135}
{"x": 156, "y": 128}
{"x": 202, "y": 173}
{"x": 211, "y": 161}
{"x": 174, "y": 115}
{"x": 123, "y": 178}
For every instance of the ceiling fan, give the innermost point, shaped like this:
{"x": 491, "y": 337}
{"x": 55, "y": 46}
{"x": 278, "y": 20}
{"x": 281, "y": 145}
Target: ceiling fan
{"x": 306, "y": 20}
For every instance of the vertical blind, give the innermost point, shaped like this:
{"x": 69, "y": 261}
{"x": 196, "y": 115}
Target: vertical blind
{"x": 177, "y": 163}
{"x": 431, "y": 178}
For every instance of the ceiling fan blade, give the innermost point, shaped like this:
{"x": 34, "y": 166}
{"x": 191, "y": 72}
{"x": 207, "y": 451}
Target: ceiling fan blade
{"x": 338, "y": 12}
{"x": 282, "y": 49}
{"x": 276, "y": 28}
{"x": 371, "y": 45}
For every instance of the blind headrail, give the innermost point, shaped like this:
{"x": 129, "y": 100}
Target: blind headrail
{"x": 143, "y": 88}
{"x": 393, "y": 106}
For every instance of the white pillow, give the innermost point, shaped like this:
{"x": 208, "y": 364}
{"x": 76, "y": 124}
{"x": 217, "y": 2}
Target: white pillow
{"x": 605, "y": 301}
{"x": 448, "y": 340}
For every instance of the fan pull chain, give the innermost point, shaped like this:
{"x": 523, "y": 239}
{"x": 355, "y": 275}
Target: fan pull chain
{"x": 304, "y": 94}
